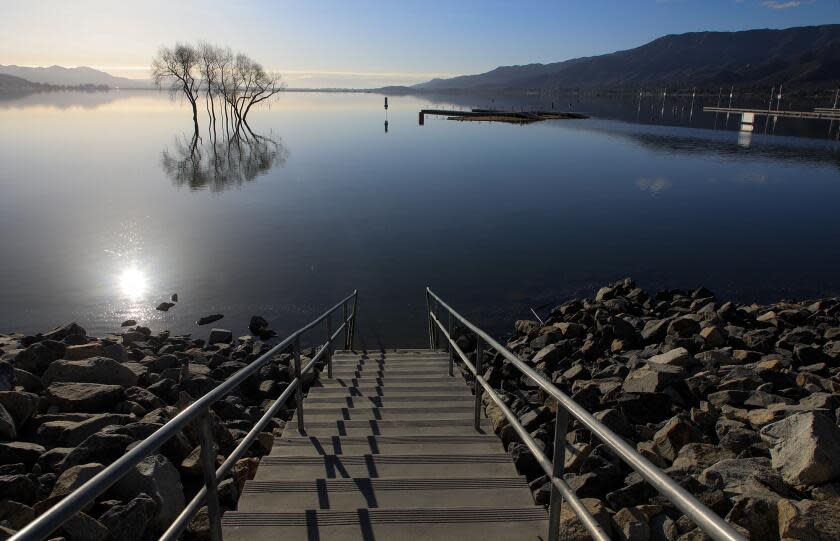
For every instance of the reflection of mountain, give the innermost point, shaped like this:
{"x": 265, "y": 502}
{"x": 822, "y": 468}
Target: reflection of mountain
{"x": 65, "y": 99}
{"x": 219, "y": 165}
{"x": 58, "y": 75}
{"x": 724, "y": 144}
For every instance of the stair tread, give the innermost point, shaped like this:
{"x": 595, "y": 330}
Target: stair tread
{"x": 389, "y": 450}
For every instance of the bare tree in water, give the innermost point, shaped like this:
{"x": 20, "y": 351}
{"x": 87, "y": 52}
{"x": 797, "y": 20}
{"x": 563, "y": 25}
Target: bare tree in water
{"x": 237, "y": 82}
{"x": 177, "y": 69}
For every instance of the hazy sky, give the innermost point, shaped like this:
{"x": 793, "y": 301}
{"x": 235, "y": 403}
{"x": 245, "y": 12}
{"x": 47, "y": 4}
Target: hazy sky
{"x": 359, "y": 43}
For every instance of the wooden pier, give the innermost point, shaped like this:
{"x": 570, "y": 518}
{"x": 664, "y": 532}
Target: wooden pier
{"x": 491, "y": 115}
{"x": 818, "y": 113}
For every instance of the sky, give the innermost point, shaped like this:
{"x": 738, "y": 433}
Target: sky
{"x": 371, "y": 43}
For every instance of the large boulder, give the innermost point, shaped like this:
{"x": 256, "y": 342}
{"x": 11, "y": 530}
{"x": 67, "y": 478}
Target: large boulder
{"x": 158, "y": 478}
{"x": 37, "y": 357}
{"x": 128, "y": 522}
{"x": 675, "y": 357}
{"x": 8, "y": 429}
{"x": 805, "y": 447}
{"x": 74, "y": 477}
{"x": 17, "y": 452}
{"x": 102, "y": 447}
{"x": 572, "y": 529}
{"x": 84, "y": 397}
{"x": 7, "y": 376}
{"x": 71, "y": 429}
{"x": 93, "y": 370}
{"x": 808, "y": 520}
{"x": 20, "y": 405}
{"x": 652, "y": 378}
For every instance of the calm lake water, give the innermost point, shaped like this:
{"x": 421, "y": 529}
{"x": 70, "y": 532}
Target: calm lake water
{"x": 102, "y": 218}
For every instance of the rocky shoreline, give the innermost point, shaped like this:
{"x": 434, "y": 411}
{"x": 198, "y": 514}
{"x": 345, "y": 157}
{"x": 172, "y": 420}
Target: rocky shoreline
{"x": 737, "y": 403}
{"x": 71, "y": 404}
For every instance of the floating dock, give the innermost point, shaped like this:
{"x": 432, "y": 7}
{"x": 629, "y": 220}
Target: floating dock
{"x": 491, "y": 115}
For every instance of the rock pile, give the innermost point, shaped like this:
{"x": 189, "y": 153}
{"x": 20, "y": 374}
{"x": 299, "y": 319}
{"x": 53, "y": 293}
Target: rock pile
{"x": 738, "y": 404}
{"x": 71, "y": 404}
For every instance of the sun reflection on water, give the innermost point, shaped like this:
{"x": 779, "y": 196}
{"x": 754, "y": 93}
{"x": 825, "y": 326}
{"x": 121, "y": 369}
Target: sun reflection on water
{"x": 133, "y": 283}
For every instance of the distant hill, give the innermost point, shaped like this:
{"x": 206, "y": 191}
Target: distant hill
{"x": 57, "y": 75}
{"x": 9, "y": 84}
{"x": 804, "y": 56}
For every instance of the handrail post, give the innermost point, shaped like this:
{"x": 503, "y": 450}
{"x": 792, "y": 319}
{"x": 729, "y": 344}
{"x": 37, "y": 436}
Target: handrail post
{"x": 478, "y": 387}
{"x": 299, "y": 388}
{"x": 353, "y": 319}
{"x": 558, "y": 462}
{"x": 329, "y": 346}
{"x": 346, "y": 325}
{"x": 437, "y": 331}
{"x": 208, "y": 466}
{"x": 449, "y": 347}
{"x": 429, "y": 319}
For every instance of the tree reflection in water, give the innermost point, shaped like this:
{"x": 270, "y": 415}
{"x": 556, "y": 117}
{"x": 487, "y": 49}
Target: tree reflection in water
{"x": 219, "y": 165}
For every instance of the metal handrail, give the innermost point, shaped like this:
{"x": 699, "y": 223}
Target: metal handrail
{"x": 706, "y": 519}
{"x": 74, "y": 502}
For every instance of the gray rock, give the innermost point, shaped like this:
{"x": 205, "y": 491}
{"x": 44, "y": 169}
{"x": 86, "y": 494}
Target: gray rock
{"x": 732, "y": 474}
{"x": 37, "y": 357}
{"x": 66, "y": 430}
{"x": 158, "y": 478}
{"x": 16, "y": 515}
{"x": 65, "y": 331}
{"x": 7, "y": 376}
{"x": 165, "y": 306}
{"x": 102, "y": 446}
{"x": 808, "y": 520}
{"x": 8, "y": 430}
{"x": 84, "y": 397}
{"x": 15, "y": 452}
{"x": 676, "y": 433}
{"x": 651, "y": 378}
{"x": 805, "y": 447}
{"x": 550, "y": 354}
{"x": 220, "y": 336}
{"x": 82, "y": 527}
{"x": 206, "y": 320}
{"x": 699, "y": 456}
{"x": 128, "y": 522}
{"x": 675, "y": 357}
{"x": 28, "y": 381}
{"x": 93, "y": 370}
{"x": 74, "y": 477}
{"x": 684, "y": 327}
{"x": 20, "y": 405}
{"x": 19, "y": 487}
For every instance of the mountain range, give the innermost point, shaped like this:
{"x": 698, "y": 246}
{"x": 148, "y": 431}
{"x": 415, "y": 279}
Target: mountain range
{"x": 60, "y": 76}
{"x": 805, "y": 57}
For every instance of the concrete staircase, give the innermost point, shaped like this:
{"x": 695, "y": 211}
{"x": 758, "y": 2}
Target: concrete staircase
{"x": 390, "y": 453}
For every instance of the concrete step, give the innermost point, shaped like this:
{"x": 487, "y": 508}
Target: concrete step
{"x": 392, "y": 359}
{"x": 488, "y": 524}
{"x": 394, "y": 369}
{"x": 351, "y": 494}
{"x": 486, "y": 465}
{"x": 375, "y": 427}
{"x": 391, "y": 400}
{"x": 390, "y": 390}
{"x": 434, "y": 379}
{"x": 383, "y": 445}
{"x": 326, "y": 412}
{"x": 390, "y": 353}
{"x": 393, "y": 381}
{"x": 374, "y": 374}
